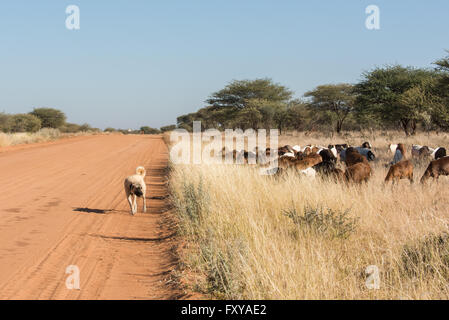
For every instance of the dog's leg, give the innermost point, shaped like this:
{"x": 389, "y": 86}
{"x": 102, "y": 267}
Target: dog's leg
{"x": 144, "y": 203}
{"x": 130, "y": 203}
{"x": 135, "y": 204}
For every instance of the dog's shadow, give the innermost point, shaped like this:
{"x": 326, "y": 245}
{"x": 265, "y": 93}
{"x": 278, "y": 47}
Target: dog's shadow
{"x": 90, "y": 210}
{"x": 158, "y": 197}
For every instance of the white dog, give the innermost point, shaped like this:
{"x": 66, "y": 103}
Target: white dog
{"x": 135, "y": 187}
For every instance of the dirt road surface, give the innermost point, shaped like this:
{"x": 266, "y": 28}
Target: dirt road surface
{"x": 63, "y": 204}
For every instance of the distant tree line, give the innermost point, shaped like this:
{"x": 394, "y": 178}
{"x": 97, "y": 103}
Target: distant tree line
{"x": 40, "y": 118}
{"x": 390, "y": 97}
{"x": 53, "y": 118}
{"x": 143, "y": 130}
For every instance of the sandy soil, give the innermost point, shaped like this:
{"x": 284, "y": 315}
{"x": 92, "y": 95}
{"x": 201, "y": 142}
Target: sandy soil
{"x": 63, "y": 204}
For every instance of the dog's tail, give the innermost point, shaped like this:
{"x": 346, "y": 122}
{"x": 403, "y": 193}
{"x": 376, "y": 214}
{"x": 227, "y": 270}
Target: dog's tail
{"x": 141, "y": 171}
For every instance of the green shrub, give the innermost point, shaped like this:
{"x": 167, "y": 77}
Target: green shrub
{"x": 24, "y": 123}
{"x": 50, "y": 118}
{"x": 331, "y": 223}
{"x": 149, "y": 130}
{"x": 5, "y": 122}
{"x": 168, "y": 128}
{"x": 70, "y": 128}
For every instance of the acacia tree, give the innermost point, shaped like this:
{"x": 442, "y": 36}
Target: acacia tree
{"x": 440, "y": 99}
{"x": 244, "y": 103}
{"x": 50, "y": 118}
{"x": 443, "y": 65}
{"x": 238, "y": 94}
{"x": 338, "y": 99}
{"x": 396, "y": 94}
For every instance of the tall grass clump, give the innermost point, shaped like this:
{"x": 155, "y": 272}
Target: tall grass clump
{"x": 43, "y": 135}
{"x": 213, "y": 259}
{"x": 429, "y": 256}
{"x": 191, "y": 205}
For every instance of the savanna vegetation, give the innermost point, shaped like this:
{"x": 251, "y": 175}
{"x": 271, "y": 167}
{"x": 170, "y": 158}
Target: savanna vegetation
{"x": 250, "y": 236}
{"x": 44, "y": 124}
{"x": 41, "y": 124}
{"x": 386, "y": 98}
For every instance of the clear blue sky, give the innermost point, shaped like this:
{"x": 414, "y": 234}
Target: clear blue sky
{"x": 143, "y": 62}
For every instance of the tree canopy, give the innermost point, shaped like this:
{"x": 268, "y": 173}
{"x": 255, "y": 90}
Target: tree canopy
{"x": 238, "y": 94}
{"x": 396, "y": 94}
{"x": 338, "y": 99}
{"x": 50, "y": 118}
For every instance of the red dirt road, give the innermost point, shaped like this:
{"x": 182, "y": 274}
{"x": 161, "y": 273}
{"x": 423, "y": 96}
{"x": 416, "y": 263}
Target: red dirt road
{"x": 63, "y": 204}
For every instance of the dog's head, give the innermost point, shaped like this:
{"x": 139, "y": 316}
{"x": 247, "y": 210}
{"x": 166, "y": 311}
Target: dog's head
{"x": 137, "y": 190}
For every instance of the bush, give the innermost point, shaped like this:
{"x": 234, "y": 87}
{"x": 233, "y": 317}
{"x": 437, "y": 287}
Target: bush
{"x": 85, "y": 127}
{"x": 51, "y": 118}
{"x": 74, "y": 128}
{"x": 149, "y": 130}
{"x": 5, "y": 122}
{"x": 331, "y": 223}
{"x": 70, "y": 128}
{"x": 168, "y": 128}
{"x": 24, "y": 123}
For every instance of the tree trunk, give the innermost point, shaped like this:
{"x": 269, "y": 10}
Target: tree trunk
{"x": 339, "y": 125}
{"x": 413, "y": 127}
{"x": 404, "y": 125}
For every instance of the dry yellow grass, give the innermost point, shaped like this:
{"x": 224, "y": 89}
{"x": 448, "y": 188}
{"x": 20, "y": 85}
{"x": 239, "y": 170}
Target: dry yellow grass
{"x": 11, "y": 139}
{"x": 43, "y": 135}
{"x": 248, "y": 239}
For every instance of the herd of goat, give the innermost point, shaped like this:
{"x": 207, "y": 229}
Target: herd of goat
{"x": 313, "y": 161}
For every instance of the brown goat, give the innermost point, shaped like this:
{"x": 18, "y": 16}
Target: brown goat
{"x": 315, "y": 149}
{"x": 285, "y": 162}
{"x": 307, "y": 150}
{"x": 353, "y": 157}
{"x": 436, "y": 168}
{"x": 285, "y": 149}
{"x": 401, "y": 170}
{"x": 301, "y": 163}
{"x": 358, "y": 173}
{"x": 307, "y": 161}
